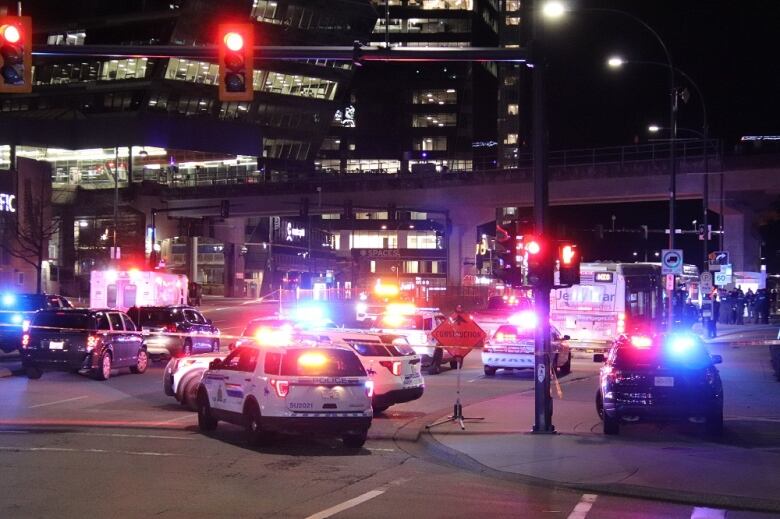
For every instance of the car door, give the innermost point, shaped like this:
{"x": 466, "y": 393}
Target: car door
{"x": 119, "y": 339}
{"x": 240, "y": 380}
{"x": 134, "y": 338}
{"x": 216, "y": 381}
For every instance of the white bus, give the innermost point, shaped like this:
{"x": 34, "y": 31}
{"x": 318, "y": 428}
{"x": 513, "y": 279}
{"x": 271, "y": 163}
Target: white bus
{"x": 611, "y": 298}
{"x": 122, "y": 289}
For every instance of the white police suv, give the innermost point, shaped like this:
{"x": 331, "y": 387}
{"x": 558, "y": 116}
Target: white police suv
{"x": 181, "y": 378}
{"x": 314, "y": 390}
{"x": 389, "y": 360}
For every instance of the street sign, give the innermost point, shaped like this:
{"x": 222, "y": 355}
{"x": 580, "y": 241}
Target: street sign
{"x": 670, "y": 282}
{"x": 705, "y": 283}
{"x": 722, "y": 279}
{"x": 719, "y": 257}
{"x": 672, "y": 261}
{"x": 459, "y": 334}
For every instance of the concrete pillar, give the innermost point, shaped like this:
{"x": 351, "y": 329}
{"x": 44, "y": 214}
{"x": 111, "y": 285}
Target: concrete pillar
{"x": 191, "y": 258}
{"x": 232, "y": 233}
{"x": 461, "y": 235}
{"x": 742, "y": 239}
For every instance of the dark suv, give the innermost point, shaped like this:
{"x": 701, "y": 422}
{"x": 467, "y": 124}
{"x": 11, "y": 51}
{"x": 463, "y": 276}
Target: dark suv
{"x": 77, "y": 340}
{"x": 662, "y": 377}
{"x": 17, "y": 309}
{"x": 172, "y": 331}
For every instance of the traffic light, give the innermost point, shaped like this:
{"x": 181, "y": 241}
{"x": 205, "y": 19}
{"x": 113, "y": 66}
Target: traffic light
{"x": 224, "y": 208}
{"x": 568, "y": 264}
{"x": 538, "y": 260}
{"x": 16, "y": 54}
{"x": 236, "y": 61}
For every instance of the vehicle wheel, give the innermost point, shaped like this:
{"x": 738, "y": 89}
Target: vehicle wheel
{"x": 206, "y": 422}
{"x": 355, "y": 441}
{"x": 490, "y": 371}
{"x": 566, "y": 368}
{"x": 215, "y": 345}
{"x": 714, "y": 425}
{"x": 141, "y": 363}
{"x": 380, "y": 409}
{"x": 104, "y": 366}
{"x": 34, "y": 372}
{"x": 611, "y": 425}
{"x": 599, "y": 405}
{"x": 189, "y": 395}
{"x": 186, "y": 350}
{"x": 253, "y": 423}
{"x": 453, "y": 364}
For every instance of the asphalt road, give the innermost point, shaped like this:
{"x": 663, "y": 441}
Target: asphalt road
{"x": 71, "y": 446}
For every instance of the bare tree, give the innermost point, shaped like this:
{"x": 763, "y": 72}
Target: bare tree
{"x": 26, "y": 233}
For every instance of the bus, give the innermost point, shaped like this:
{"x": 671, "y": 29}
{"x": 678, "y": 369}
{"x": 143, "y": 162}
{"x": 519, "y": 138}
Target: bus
{"x": 612, "y": 298}
{"x": 122, "y": 289}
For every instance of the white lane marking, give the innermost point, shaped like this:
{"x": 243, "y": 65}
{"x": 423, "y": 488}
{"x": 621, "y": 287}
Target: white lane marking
{"x": 382, "y": 450}
{"x": 707, "y": 513}
{"x": 753, "y": 419}
{"x": 140, "y": 436}
{"x": 583, "y": 507}
{"x": 183, "y": 417}
{"x": 90, "y": 451}
{"x": 58, "y": 402}
{"x": 347, "y": 504}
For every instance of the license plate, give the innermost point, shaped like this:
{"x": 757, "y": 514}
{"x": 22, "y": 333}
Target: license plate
{"x": 329, "y": 394}
{"x": 56, "y": 345}
{"x": 664, "y": 381}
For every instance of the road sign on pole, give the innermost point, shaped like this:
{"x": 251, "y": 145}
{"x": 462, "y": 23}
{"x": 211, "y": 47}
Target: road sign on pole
{"x": 705, "y": 283}
{"x": 672, "y": 261}
{"x": 459, "y": 334}
{"x": 722, "y": 279}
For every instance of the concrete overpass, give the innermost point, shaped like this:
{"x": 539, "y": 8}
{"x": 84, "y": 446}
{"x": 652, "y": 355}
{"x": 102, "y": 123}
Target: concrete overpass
{"x": 467, "y": 199}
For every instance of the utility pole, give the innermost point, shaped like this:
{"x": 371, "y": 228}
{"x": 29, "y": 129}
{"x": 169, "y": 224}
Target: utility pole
{"x": 542, "y": 347}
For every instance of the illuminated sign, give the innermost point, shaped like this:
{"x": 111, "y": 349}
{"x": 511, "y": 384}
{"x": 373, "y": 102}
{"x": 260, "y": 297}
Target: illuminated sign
{"x": 294, "y": 232}
{"x": 603, "y": 277}
{"x": 7, "y": 203}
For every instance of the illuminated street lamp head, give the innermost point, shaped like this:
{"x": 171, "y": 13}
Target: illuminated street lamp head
{"x": 654, "y": 128}
{"x": 615, "y": 62}
{"x": 234, "y": 41}
{"x": 553, "y": 9}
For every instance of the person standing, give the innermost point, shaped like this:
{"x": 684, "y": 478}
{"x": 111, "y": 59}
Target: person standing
{"x": 750, "y": 302}
{"x": 712, "y": 324}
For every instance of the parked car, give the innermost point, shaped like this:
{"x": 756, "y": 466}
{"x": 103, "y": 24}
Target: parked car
{"x": 512, "y": 347}
{"x": 175, "y": 330}
{"x": 659, "y": 377}
{"x": 416, "y": 324}
{"x": 182, "y": 376}
{"x": 305, "y": 390}
{"x": 87, "y": 341}
{"x": 17, "y": 309}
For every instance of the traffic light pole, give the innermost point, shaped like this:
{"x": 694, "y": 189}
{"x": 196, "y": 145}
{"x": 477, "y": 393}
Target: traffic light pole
{"x": 542, "y": 348}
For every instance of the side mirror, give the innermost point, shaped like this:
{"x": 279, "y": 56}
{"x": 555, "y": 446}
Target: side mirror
{"x": 716, "y": 359}
{"x": 566, "y": 337}
{"x": 598, "y": 357}
{"x": 215, "y": 364}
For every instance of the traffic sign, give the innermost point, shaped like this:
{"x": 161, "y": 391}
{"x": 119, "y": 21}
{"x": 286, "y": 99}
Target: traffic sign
{"x": 670, "y": 282}
{"x": 459, "y": 334}
{"x": 719, "y": 257}
{"x": 672, "y": 261}
{"x": 722, "y": 279}
{"x": 705, "y": 283}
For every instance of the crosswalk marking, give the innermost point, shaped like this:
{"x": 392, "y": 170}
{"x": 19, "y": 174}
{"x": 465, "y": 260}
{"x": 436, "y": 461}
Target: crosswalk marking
{"x": 583, "y": 507}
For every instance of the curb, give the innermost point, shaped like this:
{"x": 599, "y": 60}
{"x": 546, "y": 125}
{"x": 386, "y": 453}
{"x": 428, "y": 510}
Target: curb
{"x": 464, "y": 461}
{"x": 5, "y": 373}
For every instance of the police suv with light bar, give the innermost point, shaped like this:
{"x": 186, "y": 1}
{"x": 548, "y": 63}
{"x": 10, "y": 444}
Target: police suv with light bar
{"x": 291, "y": 389}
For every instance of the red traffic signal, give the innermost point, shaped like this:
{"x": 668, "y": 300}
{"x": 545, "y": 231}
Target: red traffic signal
{"x": 568, "y": 264}
{"x": 533, "y": 246}
{"x": 15, "y": 54}
{"x": 236, "y": 61}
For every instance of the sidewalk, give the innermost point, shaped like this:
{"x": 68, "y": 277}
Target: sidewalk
{"x": 741, "y": 333}
{"x": 673, "y": 463}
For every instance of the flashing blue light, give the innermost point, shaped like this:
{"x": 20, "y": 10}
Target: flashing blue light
{"x": 310, "y": 315}
{"x": 8, "y": 299}
{"x": 16, "y": 319}
{"x": 681, "y": 344}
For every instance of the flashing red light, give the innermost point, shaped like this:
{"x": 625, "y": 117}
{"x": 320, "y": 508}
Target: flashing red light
{"x": 567, "y": 254}
{"x": 393, "y": 367}
{"x": 641, "y": 341}
{"x": 11, "y": 34}
{"x": 91, "y": 342}
{"x": 533, "y": 247}
{"x": 282, "y": 387}
{"x": 234, "y": 41}
{"x": 25, "y": 340}
{"x": 370, "y": 388}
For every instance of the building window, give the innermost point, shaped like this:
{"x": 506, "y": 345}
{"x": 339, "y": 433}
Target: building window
{"x": 513, "y": 20}
{"x": 512, "y": 5}
{"x": 511, "y": 138}
{"x": 331, "y": 216}
{"x": 421, "y": 240}
{"x": 192, "y": 71}
{"x": 435, "y": 97}
{"x": 265, "y": 11}
{"x": 373, "y": 267}
{"x": 330, "y": 144}
{"x": 433, "y": 120}
{"x": 285, "y": 149}
{"x": 431, "y": 144}
{"x": 411, "y": 267}
{"x": 286, "y": 84}
{"x": 68, "y": 38}
{"x": 512, "y": 109}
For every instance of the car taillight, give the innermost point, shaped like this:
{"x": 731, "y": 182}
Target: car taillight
{"x": 370, "y": 388}
{"x": 393, "y": 367}
{"x": 282, "y": 387}
{"x": 505, "y": 337}
{"x": 26, "y": 325}
{"x": 641, "y": 341}
{"x": 171, "y": 328}
{"x": 25, "y": 340}
{"x": 91, "y": 342}
{"x": 621, "y": 324}
{"x": 613, "y": 375}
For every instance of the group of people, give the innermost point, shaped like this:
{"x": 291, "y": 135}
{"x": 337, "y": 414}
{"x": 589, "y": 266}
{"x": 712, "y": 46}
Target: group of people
{"x": 736, "y": 302}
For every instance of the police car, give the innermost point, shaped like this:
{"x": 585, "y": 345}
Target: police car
{"x": 182, "y": 376}
{"x": 512, "y": 346}
{"x": 290, "y": 389}
{"x": 390, "y": 362}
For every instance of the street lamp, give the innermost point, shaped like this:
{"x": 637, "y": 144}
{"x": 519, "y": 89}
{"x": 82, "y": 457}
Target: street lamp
{"x": 672, "y": 117}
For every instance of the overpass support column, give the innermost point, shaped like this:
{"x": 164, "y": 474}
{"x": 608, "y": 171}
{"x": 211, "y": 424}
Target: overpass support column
{"x": 742, "y": 239}
{"x": 232, "y": 233}
{"x": 462, "y": 239}
{"x": 192, "y": 258}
